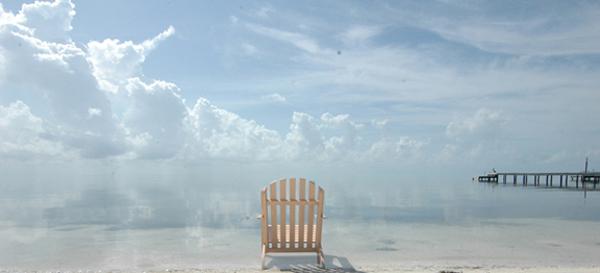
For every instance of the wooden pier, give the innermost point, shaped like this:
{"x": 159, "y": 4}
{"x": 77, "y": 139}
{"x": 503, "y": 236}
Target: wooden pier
{"x": 549, "y": 179}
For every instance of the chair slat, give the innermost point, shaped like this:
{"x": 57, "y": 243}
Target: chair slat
{"x": 288, "y": 232}
{"x": 301, "y": 217}
{"x": 311, "y": 213}
{"x": 320, "y": 217}
{"x": 287, "y": 202}
{"x": 263, "y": 204}
{"x": 293, "y": 212}
{"x": 273, "y": 195}
{"x": 282, "y": 210}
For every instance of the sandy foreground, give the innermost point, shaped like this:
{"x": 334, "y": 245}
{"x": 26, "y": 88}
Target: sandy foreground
{"x": 483, "y": 270}
{"x": 511, "y": 245}
{"x": 310, "y": 269}
{"x": 374, "y": 268}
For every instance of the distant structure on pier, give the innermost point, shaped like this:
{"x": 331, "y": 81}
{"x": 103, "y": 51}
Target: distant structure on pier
{"x": 579, "y": 178}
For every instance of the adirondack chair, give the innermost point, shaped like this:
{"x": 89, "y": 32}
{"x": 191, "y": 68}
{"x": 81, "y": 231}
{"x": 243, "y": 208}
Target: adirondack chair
{"x": 300, "y": 231}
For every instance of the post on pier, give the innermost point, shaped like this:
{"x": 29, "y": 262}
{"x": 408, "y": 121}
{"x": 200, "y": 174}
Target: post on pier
{"x": 561, "y": 178}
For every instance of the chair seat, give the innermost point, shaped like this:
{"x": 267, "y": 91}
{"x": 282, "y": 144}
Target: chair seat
{"x": 296, "y": 233}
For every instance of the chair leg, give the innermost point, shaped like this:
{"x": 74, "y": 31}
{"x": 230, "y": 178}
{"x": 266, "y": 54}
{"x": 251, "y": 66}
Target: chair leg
{"x": 262, "y": 258}
{"x": 321, "y": 258}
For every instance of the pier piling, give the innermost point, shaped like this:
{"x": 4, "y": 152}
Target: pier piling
{"x": 583, "y": 177}
{"x": 561, "y": 178}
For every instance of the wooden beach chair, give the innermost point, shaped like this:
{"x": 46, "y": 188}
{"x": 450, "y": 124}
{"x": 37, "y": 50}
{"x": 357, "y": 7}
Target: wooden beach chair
{"x": 291, "y": 222}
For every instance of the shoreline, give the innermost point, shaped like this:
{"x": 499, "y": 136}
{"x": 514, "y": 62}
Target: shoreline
{"x": 359, "y": 269}
{"x": 311, "y": 268}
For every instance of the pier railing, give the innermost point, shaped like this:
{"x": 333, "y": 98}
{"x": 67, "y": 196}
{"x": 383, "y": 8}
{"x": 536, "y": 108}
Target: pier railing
{"x": 548, "y": 179}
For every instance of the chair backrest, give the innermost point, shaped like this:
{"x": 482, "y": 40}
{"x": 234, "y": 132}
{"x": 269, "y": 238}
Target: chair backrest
{"x": 290, "y": 220}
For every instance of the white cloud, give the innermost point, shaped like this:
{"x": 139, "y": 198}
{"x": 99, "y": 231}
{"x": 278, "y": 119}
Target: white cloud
{"x": 22, "y": 135}
{"x": 485, "y": 122}
{"x": 96, "y": 103}
{"x": 476, "y": 135}
{"x": 359, "y": 34}
{"x": 298, "y": 40}
{"x": 552, "y": 28}
{"x": 94, "y": 112}
{"x": 7, "y": 17}
{"x": 154, "y": 118}
{"x": 275, "y": 97}
{"x": 58, "y": 75}
{"x": 304, "y": 138}
{"x": 379, "y": 123}
{"x": 3, "y": 66}
{"x": 218, "y": 133}
{"x": 518, "y": 38}
{"x": 50, "y": 21}
{"x": 152, "y": 43}
{"x": 114, "y": 61}
{"x": 335, "y": 138}
{"x": 404, "y": 148}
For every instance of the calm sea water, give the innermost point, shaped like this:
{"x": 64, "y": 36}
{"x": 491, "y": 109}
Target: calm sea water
{"x": 162, "y": 218}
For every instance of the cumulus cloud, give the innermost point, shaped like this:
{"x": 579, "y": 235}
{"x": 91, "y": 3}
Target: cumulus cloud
{"x": 473, "y": 135}
{"x": 114, "y": 62}
{"x": 22, "y": 134}
{"x": 405, "y": 147}
{"x": 304, "y": 137}
{"x": 154, "y": 118}
{"x": 58, "y": 75}
{"x": 49, "y": 21}
{"x": 484, "y": 122}
{"x": 330, "y": 137}
{"x": 218, "y": 133}
{"x": 95, "y": 102}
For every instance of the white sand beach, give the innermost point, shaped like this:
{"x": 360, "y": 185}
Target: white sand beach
{"x": 503, "y": 246}
{"x": 430, "y": 269}
{"x": 365, "y": 269}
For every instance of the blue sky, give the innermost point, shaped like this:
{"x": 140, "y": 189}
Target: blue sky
{"x": 467, "y": 84}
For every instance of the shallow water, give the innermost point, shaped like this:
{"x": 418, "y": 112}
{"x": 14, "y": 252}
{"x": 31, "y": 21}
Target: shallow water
{"x": 168, "y": 219}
